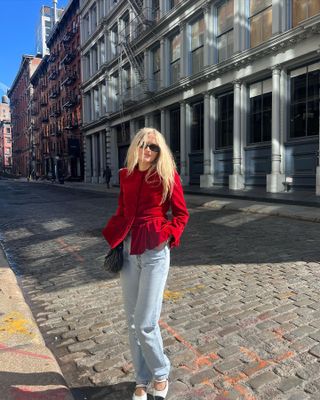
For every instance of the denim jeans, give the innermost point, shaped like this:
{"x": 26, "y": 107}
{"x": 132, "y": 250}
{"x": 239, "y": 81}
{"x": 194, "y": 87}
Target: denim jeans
{"x": 143, "y": 278}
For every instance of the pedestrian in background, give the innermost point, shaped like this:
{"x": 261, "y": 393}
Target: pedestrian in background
{"x": 107, "y": 174}
{"x": 149, "y": 187}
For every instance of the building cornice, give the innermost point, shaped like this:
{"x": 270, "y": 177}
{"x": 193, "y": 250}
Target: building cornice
{"x": 238, "y": 61}
{"x": 25, "y": 61}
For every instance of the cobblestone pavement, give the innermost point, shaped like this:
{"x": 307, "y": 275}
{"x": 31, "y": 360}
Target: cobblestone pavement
{"x": 241, "y": 314}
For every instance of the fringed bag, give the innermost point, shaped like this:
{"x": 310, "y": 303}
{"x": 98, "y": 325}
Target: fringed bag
{"x": 114, "y": 259}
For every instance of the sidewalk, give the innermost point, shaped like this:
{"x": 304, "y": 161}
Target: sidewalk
{"x": 298, "y": 205}
{"x": 28, "y": 369}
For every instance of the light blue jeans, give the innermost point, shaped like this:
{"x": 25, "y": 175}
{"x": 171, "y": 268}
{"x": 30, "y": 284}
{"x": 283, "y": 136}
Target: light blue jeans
{"x": 143, "y": 278}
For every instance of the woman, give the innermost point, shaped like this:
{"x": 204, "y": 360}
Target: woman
{"x": 149, "y": 186}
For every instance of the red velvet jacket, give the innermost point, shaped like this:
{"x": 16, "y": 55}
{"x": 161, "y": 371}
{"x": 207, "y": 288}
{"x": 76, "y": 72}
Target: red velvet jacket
{"x": 140, "y": 212}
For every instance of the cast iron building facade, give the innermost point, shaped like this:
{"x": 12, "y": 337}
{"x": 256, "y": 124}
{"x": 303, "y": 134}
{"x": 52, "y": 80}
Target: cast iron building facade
{"x": 233, "y": 85}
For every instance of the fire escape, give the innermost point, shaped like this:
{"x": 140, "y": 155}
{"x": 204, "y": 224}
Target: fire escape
{"x": 128, "y": 49}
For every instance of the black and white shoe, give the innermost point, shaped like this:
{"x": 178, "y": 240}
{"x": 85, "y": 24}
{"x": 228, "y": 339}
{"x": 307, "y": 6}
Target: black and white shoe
{"x": 161, "y": 394}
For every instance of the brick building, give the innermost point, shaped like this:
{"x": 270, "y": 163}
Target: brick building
{"x": 64, "y": 100}
{"x": 5, "y": 136}
{"x": 40, "y": 119}
{"x": 20, "y": 99}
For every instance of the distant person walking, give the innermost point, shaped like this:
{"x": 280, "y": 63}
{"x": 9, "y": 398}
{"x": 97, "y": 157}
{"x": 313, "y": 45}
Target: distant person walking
{"x": 107, "y": 174}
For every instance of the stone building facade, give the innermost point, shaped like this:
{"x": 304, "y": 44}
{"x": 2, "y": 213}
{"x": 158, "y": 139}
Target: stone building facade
{"x": 233, "y": 85}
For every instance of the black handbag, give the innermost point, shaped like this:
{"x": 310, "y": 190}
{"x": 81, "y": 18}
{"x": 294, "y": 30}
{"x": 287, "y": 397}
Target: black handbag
{"x": 113, "y": 261}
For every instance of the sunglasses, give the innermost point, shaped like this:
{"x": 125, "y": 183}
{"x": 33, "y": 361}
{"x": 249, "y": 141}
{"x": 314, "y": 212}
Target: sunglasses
{"x": 153, "y": 147}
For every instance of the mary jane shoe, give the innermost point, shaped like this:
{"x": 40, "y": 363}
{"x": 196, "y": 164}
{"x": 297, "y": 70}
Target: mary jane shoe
{"x": 161, "y": 394}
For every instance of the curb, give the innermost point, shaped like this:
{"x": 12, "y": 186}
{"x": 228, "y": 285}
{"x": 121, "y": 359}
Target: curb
{"x": 28, "y": 368}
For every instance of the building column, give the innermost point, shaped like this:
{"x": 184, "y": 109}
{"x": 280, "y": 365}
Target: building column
{"x": 132, "y": 128}
{"x": 236, "y": 181}
{"x": 147, "y": 69}
{"x": 208, "y": 34}
{"x": 163, "y": 63}
{"x": 88, "y": 160}
{"x": 276, "y": 178}
{"x": 147, "y": 120}
{"x": 183, "y": 144}
{"x": 108, "y": 45}
{"x": 206, "y": 180}
{"x": 112, "y": 150}
{"x": 94, "y": 159}
{"x": 102, "y": 148}
{"x": 276, "y": 16}
{"x": 164, "y": 128}
{"x": 184, "y": 69}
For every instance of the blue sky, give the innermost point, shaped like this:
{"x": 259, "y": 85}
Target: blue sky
{"x": 19, "y": 19}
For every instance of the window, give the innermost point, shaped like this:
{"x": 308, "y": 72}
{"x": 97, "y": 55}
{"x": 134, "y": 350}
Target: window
{"x": 114, "y": 40}
{"x": 115, "y": 91}
{"x": 126, "y": 28}
{"x": 175, "y": 45}
{"x": 127, "y": 79}
{"x": 225, "y": 121}
{"x": 303, "y": 9}
{"x": 260, "y": 111}
{"x": 94, "y": 55}
{"x": 304, "y": 109}
{"x": 155, "y": 7}
{"x": 104, "y": 98}
{"x": 86, "y": 27}
{"x": 156, "y": 68}
{"x": 260, "y": 21}
{"x": 102, "y": 48}
{"x": 197, "y": 41}
{"x": 96, "y": 102}
{"x": 225, "y": 30}
{"x": 197, "y": 126}
{"x": 173, "y": 3}
{"x": 94, "y": 21}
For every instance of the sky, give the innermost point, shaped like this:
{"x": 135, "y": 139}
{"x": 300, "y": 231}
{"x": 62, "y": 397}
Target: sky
{"x": 18, "y": 23}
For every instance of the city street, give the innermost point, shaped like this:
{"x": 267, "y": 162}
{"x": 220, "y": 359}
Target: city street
{"x": 241, "y": 312}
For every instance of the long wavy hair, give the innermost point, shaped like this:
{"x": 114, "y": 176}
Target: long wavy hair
{"x": 163, "y": 165}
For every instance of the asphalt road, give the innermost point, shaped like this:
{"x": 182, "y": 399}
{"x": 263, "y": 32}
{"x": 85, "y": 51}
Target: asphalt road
{"x": 241, "y": 314}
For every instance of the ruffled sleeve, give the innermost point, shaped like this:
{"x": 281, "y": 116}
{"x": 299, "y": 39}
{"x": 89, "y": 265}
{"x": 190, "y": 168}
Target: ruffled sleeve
{"x": 120, "y": 210}
{"x": 180, "y": 214}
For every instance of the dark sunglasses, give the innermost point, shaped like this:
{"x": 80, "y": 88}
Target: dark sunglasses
{"x": 153, "y": 147}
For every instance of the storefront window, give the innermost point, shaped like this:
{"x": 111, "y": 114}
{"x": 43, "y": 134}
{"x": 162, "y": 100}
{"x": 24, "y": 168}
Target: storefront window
{"x": 260, "y": 21}
{"x": 225, "y": 30}
{"x": 304, "y": 109}
{"x": 260, "y": 112}
{"x": 197, "y": 126}
{"x": 225, "y": 121}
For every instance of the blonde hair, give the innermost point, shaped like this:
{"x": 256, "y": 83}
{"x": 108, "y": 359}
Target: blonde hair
{"x": 163, "y": 165}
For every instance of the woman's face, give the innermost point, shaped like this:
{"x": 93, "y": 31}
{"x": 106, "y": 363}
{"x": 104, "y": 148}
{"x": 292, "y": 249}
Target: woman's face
{"x": 146, "y": 154}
